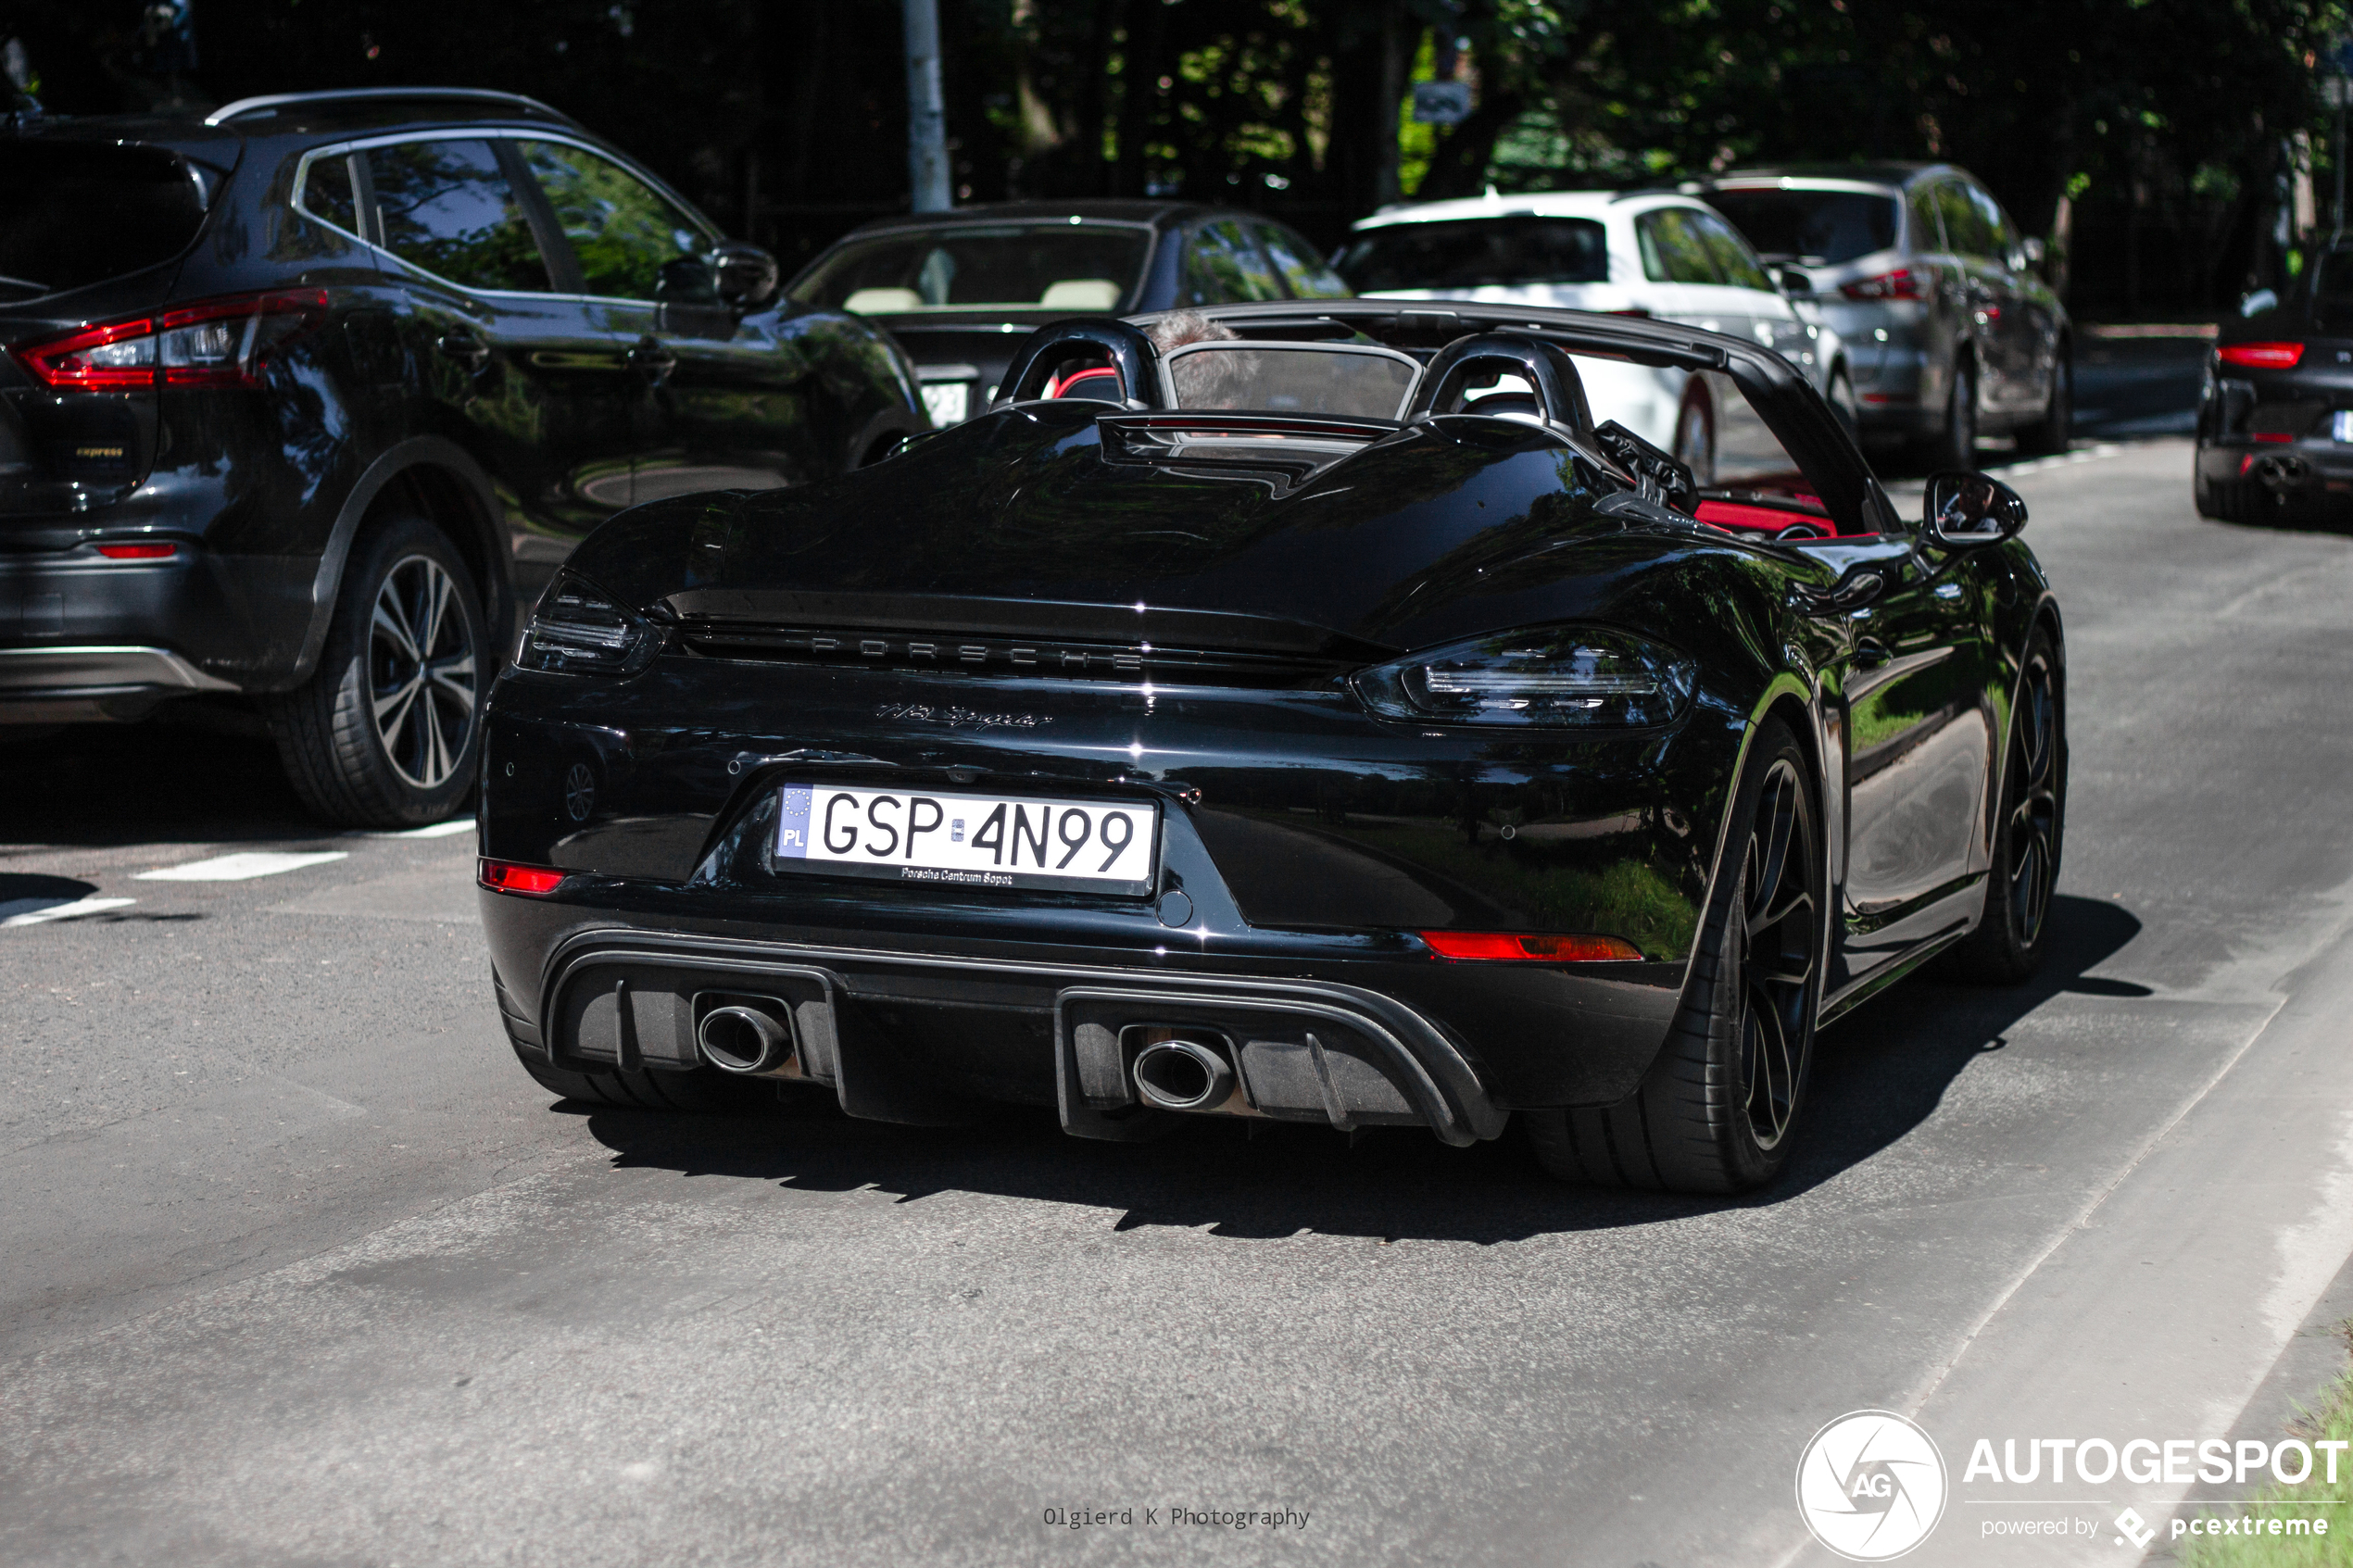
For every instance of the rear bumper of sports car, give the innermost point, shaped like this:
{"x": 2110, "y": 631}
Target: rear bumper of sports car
{"x": 1301, "y": 849}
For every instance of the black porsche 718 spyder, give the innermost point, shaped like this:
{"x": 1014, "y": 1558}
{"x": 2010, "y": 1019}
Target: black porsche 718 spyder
{"x": 1331, "y": 719}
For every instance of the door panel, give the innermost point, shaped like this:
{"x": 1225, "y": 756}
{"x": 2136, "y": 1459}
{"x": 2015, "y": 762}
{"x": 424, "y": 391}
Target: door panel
{"x": 532, "y": 378}
{"x": 1919, "y": 749}
{"x": 715, "y": 402}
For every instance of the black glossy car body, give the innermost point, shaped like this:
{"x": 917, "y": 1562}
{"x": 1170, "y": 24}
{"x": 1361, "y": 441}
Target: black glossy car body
{"x": 1185, "y": 254}
{"x": 174, "y": 528}
{"x": 1050, "y": 601}
{"x": 2275, "y": 422}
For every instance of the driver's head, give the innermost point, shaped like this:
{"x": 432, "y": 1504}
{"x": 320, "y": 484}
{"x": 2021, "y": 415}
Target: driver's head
{"x": 1203, "y": 381}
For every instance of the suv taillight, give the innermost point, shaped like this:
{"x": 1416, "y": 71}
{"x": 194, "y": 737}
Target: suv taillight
{"x": 1902, "y": 283}
{"x": 217, "y": 343}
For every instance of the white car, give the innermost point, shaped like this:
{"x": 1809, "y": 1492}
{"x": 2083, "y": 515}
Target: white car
{"x": 1645, "y": 253}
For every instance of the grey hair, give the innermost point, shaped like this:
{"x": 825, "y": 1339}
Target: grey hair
{"x": 1202, "y": 381}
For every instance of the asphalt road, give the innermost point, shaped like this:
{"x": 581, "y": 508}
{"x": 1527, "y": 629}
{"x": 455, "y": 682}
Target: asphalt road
{"x": 300, "y": 1269}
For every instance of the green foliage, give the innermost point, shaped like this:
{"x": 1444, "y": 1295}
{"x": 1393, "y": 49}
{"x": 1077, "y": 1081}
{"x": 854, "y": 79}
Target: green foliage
{"x": 2315, "y": 1498}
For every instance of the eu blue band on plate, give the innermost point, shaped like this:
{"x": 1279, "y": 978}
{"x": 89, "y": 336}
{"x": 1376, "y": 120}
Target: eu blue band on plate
{"x": 792, "y": 827}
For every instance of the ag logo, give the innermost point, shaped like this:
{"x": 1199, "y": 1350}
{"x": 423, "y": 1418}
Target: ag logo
{"x": 1870, "y": 1486}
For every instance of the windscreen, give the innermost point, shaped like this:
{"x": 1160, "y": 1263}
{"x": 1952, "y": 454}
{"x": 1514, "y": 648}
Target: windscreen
{"x": 1291, "y": 379}
{"x": 1085, "y": 269}
{"x": 1476, "y": 253}
{"x": 73, "y": 214}
{"x": 1822, "y": 227}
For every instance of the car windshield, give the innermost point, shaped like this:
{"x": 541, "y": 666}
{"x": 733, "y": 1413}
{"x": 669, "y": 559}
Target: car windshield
{"x": 1823, "y": 227}
{"x": 1292, "y": 377}
{"x": 77, "y": 213}
{"x": 1476, "y": 253}
{"x": 1081, "y": 268}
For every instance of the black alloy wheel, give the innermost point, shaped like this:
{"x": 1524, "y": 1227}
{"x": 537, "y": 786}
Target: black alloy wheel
{"x": 2008, "y": 945}
{"x": 1721, "y": 1108}
{"x": 387, "y": 733}
{"x": 2052, "y": 433}
{"x": 422, "y": 672}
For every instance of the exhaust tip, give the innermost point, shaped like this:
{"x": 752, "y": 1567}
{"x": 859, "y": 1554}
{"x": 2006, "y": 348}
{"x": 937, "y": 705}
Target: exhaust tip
{"x": 743, "y": 1040}
{"x": 1183, "y": 1076}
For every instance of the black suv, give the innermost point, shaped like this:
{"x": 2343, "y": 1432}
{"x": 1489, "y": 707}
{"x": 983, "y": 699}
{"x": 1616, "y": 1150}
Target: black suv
{"x": 300, "y": 402}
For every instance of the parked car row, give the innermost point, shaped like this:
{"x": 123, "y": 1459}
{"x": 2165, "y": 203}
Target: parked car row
{"x": 303, "y": 403}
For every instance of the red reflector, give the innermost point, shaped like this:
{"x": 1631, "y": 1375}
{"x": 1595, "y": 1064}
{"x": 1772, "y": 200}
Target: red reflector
{"x": 1630, "y": 310}
{"x": 2271, "y": 435}
{"x": 1513, "y": 947}
{"x": 505, "y": 876}
{"x": 138, "y": 552}
{"x": 2261, "y": 355}
{"x": 2245, "y": 463}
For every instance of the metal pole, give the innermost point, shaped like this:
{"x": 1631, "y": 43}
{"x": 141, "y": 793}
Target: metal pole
{"x": 926, "y": 109}
{"x": 2338, "y": 233}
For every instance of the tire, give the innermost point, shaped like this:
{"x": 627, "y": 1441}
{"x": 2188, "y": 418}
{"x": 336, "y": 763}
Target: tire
{"x": 1720, "y": 1110}
{"x": 1844, "y": 402}
{"x": 1954, "y": 447}
{"x": 702, "y": 1090}
{"x": 2051, "y": 433}
{"x": 387, "y": 734}
{"x": 2011, "y": 934}
{"x": 1695, "y": 436}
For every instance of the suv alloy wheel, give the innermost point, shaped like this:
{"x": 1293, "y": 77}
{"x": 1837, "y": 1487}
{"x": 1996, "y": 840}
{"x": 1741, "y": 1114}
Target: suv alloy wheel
{"x": 386, "y": 733}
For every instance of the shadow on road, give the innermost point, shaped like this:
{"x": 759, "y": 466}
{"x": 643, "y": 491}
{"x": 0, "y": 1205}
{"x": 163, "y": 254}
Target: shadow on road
{"x": 164, "y": 781}
{"x": 1878, "y": 1076}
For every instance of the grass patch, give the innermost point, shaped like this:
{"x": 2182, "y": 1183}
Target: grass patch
{"x": 2318, "y": 1498}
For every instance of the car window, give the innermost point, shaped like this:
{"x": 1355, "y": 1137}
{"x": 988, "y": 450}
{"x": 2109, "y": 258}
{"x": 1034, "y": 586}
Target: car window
{"x": 623, "y": 230}
{"x": 1292, "y": 378}
{"x": 1928, "y": 229}
{"x": 1222, "y": 267}
{"x": 2003, "y": 240}
{"x": 76, "y": 213}
{"x": 1673, "y": 250}
{"x": 1308, "y": 277}
{"x": 1822, "y": 227}
{"x": 447, "y": 206}
{"x": 1059, "y": 266}
{"x": 327, "y": 193}
{"x": 1506, "y": 252}
{"x": 1965, "y": 231}
{"x": 1735, "y": 263}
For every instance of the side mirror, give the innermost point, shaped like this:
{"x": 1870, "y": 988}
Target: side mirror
{"x": 691, "y": 280}
{"x": 1794, "y": 282}
{"x": 2256, "y": 303}
{"x": 748, "y": 275}
{"x": 1966, "y": 510}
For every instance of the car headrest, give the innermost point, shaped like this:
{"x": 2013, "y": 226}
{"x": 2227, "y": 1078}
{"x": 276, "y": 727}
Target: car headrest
{"x": 1080, "y": 293}
{"x": 882, "y": 302}
{"x": 1451, "y": 373}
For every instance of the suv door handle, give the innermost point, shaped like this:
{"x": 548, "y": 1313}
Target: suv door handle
{"x": 463, "y": 347}
{"x": 656, "y": 362}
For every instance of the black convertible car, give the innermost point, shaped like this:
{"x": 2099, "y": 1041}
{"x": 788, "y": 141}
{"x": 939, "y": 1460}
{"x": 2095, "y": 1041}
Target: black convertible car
{"x": 1334, "y": 720}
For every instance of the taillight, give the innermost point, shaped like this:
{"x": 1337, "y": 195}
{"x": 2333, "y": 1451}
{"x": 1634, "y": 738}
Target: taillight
{"x": 2261, "y": 355}
{"x": 218, "y": 343}
{"x": 1514, "y": 948}
{"x": 1902, "y": 283}
{"x": 505, "y": 876}
{"x": 138, "y": 552}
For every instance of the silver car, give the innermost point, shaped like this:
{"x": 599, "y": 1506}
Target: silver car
{"x": 1950, "y": 331}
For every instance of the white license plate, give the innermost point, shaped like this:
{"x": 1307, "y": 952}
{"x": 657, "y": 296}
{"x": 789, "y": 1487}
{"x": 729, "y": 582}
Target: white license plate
{"x": 969, "y": 840}
{"x": 948, "y": 403}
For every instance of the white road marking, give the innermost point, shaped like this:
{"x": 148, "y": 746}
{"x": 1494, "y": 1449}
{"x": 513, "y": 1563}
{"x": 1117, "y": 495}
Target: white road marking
{"x": 34, "y": 911}
{"x": 449, "y": 829}
{"x": 243, "y": 866}
{"x": 2062, "y": 460}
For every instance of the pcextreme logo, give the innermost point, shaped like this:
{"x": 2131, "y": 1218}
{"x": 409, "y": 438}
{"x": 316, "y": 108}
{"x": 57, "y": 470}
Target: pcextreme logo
{"x": 1870, "y": 1486}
